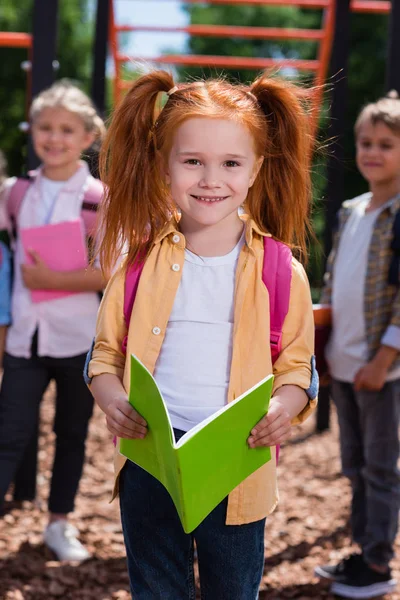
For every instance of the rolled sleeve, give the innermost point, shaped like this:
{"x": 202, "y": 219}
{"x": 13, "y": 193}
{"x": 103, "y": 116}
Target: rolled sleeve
{"x": 391, "y": 337}
{"x": 296, "y": 364}
{"x": 106, "y": 355}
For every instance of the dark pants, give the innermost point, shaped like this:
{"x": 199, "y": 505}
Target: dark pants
{"x": 160, "y": 553}
{"x": 24, "y": 383}
{"x": 369, "y": 442}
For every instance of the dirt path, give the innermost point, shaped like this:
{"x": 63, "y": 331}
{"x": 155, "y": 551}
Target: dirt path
{"x": 309, "y": 526}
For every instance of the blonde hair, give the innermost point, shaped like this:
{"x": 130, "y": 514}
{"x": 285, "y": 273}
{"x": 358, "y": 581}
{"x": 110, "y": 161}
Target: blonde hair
{"x": 64, "y": 94}
{"x": 385, "y": 110}
{"x": 138, "y": 202}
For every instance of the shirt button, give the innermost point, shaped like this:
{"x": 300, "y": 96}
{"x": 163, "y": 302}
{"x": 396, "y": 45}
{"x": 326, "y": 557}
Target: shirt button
{"x": 156, "y": 330}
{"x": 176, "y": 239}
{"x": 176, "y": 267}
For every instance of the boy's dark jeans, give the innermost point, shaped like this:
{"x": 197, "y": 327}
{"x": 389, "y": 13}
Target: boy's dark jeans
{"x": 160, "y": 553}
{"x": 369, "y": 443}
{"x": 23, "y": 385}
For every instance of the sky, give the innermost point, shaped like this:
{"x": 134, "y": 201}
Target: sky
{"x": 151, "y": 12}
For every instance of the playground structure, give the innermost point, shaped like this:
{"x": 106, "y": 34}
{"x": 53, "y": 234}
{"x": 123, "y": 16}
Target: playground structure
{"x": 332, "y": 40}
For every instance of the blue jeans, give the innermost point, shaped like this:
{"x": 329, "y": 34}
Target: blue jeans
{"x": 369, "y": 442}
{"x": 160, "y": 553}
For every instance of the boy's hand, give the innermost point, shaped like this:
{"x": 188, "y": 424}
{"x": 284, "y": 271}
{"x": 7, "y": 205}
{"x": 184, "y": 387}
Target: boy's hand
{"x": 123, "y": 420}
{"x": 371, "y": 377}
{"x": 37, "y": 276}
{"x": 273, "y": 429}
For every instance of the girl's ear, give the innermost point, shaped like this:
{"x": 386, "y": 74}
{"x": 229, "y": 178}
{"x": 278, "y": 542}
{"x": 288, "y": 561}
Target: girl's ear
{"x": 256, "y": 170}
{"x": 89, "y": 139}
{"x": 165, "y": 172}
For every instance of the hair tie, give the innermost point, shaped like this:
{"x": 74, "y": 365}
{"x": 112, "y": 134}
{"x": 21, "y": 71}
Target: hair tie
{"x": 172, "y": 90}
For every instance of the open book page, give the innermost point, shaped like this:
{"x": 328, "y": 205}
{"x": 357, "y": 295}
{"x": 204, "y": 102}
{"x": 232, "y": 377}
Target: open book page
{"x": 194, "y": 430}
{"x": 214, "y": 457}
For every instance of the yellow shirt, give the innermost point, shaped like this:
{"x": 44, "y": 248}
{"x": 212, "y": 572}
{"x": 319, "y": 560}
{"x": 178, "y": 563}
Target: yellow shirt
{"x": 257, "y": 496}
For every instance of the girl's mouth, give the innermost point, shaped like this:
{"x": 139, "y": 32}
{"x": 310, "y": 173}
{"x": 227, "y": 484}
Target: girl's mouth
{"x": 209, "y": 199}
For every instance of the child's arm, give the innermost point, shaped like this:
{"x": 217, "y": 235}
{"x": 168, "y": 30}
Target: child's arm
{"x": 122, "y": 420}
{"x": 105, "y": 368}
{"x": 296, "y": 381}
{"x": 39, "y": 277}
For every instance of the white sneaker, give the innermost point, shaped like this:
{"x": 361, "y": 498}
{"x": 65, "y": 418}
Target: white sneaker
{"x": 62, "y": 538}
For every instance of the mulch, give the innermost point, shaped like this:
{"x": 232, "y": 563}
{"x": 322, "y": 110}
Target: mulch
{"x": 309, "y": 527}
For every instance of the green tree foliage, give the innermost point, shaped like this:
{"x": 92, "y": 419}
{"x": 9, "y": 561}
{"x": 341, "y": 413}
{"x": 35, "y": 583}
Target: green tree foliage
{"x": 75, "y": 31}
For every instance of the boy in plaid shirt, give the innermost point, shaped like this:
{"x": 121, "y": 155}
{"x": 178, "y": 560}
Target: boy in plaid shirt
{"x": 362, "y": 287}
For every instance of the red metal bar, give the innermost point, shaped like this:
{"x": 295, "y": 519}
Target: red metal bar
{"x": 230, "y": 62}
{"x": 365, "y": 6}
{"x": 266, "y": 33}
{"x": 371, "y": 6}
{"x": 299, "y": 3}
{"x": 15, "y": 40}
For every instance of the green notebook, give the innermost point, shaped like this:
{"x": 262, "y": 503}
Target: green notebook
{"x": 210, "y": 460}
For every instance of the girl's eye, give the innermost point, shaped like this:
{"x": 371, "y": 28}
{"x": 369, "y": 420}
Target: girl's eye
{"x": 232, "y": 163}
{"x": 67, "y": 130}
{"x": 386, "y": 147}
{"x": 192, "y": 161}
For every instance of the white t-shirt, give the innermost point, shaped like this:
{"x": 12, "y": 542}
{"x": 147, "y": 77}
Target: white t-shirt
{"x": 49, "y": 192}
{"x": 347, "y": 350}
{"x": 193, "y": 368}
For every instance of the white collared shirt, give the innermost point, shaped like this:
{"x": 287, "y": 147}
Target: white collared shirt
{"x": 66, "y": 325}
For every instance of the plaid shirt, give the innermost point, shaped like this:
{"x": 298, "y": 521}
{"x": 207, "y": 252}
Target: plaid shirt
{"x": 381, "y": 300}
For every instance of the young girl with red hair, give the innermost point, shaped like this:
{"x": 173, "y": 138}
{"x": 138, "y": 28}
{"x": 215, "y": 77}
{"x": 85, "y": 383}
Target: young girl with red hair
{"x": 193, "y": 187}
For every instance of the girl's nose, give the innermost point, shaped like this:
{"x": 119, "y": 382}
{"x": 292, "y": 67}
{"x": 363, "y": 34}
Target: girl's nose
{"x": 209, "y": 178}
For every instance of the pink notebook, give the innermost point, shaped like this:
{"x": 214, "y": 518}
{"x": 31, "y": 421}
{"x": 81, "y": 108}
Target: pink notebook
{"x": 61, "y": 246}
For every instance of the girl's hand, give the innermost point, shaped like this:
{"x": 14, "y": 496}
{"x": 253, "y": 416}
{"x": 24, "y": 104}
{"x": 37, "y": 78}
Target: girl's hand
{"x": 37, "y": 276}
{"x": 123, "y": 420}
{"x": 273, "y": 429}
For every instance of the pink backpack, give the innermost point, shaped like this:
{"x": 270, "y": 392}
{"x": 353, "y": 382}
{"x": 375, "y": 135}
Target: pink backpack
{"x": 276, "y": 275}
{"x": 90, "y": 204}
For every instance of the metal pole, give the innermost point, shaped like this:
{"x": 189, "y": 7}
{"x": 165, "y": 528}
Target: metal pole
{"x": 100, "y": 55}
{"x": 393, "y": 57}
{"x": 44, "y": 32}
{"x": 338, "y": 72}
{"x": 335, "y": 167}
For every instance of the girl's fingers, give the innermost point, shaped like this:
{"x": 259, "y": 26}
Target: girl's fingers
{"x": 122, "y": 431}
{"x": 272, "y": 440}
{"x": 126, "y": 409}
{"x": 271, "y": 428}
{"x": 134, "y": 422}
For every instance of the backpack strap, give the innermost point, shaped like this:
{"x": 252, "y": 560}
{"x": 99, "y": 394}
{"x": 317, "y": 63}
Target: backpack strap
{"x": 277, "y": 277}
{"x": 132, "y": 277}
{"x": 91, "y": 201}
{"x": 15, "y": 198}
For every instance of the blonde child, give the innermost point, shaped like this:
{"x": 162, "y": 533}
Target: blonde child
{"x": 200, "y": 320}
{"x": 362, "y": 286}
{"x": 49, "y": 340}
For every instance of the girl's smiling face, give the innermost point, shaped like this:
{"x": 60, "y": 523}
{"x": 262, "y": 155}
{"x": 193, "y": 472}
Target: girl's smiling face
{"x": 212, "y": 164}
{"x": 59, "y": 137}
